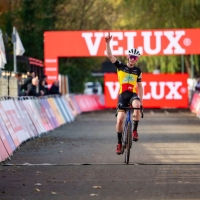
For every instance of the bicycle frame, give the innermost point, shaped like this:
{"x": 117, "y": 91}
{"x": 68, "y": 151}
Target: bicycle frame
{"x": 128, "y": 119}
{"x": 127, "y": 136}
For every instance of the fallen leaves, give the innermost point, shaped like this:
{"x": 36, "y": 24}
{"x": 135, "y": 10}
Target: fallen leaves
{"x": 96, "y": 187}
{"x": 60, "y": 151}
{"x": 53, "y": 193}
{"x": 38, "y": 190}
{"x": 94, "y": 195}
{"x": 38, "y": 184}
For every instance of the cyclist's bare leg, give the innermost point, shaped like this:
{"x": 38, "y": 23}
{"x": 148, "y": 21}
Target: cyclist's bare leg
{"x": 136, "y": 118}
{"x": 120, "y": 119}
{"x": 136, "y": 113}
{"x": 119, "y": 128}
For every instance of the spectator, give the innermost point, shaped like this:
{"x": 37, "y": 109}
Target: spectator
{"x": 32, "y": 90}
{"x": 54, "y": 88}
{"x": 18, "y": 76}
{"x": 44, "y": 77}
{"x": 156, "y": 70}
{"x": 198, "y": 86}
{"x": 42, "y": 87}
{"x": 28, "y": 81}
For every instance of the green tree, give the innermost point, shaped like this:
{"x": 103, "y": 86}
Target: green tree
{"x": 156, "y": 14}
{"x": 36, "y": 17}
{"x": 78, "y": 70}
{"x": 83, "y": 15}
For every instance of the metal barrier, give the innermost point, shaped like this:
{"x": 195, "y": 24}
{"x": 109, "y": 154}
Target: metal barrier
{"x": 23, "y": 118}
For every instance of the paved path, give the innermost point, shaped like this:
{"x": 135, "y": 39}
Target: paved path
{"x": 164, "y": 163}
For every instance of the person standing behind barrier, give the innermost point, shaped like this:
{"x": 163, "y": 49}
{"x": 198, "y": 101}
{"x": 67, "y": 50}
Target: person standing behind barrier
{"x": 18, "y": 76}
{"x": 42, "y": 87}
{"x": 44, "y": 78}
{"x": 32, "y": 90}
{"x": 28, "y": 81}
{"x": 54, "y": 88}
{"x": 197, "y": 87}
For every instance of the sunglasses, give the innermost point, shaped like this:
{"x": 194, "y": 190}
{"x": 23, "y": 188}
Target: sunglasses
{"x": 133, "y": 57}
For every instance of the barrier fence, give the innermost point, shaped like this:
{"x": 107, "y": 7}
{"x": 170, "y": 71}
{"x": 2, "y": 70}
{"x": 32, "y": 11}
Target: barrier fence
{"x": 23, "y": 118}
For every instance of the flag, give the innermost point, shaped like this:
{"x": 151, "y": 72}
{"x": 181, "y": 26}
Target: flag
{"x": 2, "y": 52}
{"x": 19, "y": 46}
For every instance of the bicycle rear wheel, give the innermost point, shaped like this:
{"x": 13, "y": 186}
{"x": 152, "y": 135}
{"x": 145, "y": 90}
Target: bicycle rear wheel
{"x": 128, "y": 143}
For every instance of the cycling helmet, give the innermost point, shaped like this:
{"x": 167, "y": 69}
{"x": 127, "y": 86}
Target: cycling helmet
{"x": 134, "y": 52}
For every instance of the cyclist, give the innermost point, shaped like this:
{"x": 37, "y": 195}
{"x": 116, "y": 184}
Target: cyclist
{"x": 128, "y": 76}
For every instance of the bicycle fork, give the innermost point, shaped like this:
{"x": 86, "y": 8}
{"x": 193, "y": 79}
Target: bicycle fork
{"x": 125, "y": 135}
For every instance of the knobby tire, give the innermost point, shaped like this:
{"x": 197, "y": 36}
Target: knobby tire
{"x": 128, "y": 145}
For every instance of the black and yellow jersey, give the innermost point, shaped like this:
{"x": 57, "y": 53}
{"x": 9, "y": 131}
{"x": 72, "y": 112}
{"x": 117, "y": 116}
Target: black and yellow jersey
{"x": 128, "y": 77}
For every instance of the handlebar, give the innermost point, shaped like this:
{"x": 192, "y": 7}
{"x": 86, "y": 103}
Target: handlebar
{"x": 130, "y": 108}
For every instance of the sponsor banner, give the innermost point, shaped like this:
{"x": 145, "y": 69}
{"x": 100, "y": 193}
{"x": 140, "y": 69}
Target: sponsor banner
{"x": 195, "y": 102}
{"x": 160, "y": 90}
{"x": 50, "y": 113}
{"x": 23, "y": 120}
{"x": 41, "y": 115}
{"x": 34, "y": 117}
{"x": 27, "y": 120}
{"x": 92, "y": 43}
{"x": 68, "y": 107}
{"x": 62, "y": 109}
{"x": 89, "y": 102}
{"x": 3, "y": 152}
{"x": 46, "y": 117}
{"x": 198, "y": 107}
{"x": 6, "y": 139}
{"x": 55, "y": 110}
{"x": 8, "y": 125}
{"x": 83, "y": 103}
{"x": 17, "y": 114}
{"x": 72, "y": 104}
{"x": 100, "y": 101}
{"x": 14, "y": 119}
{"x": 75, "y": 104}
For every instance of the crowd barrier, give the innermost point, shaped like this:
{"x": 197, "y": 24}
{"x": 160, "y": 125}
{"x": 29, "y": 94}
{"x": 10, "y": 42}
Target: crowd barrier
{"x": 195, "y": 104}
{"x": 23, "y": 118}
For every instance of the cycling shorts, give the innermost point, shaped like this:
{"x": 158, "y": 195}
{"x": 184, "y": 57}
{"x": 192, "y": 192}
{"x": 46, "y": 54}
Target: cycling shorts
{"x": 126, "y": 99}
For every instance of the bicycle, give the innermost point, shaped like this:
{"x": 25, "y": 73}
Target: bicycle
{"x": 127, "y": 136}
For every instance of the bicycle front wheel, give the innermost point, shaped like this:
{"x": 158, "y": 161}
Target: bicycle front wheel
{"x": 128, "y": 143}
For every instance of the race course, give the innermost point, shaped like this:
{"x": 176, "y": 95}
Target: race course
{"x": 69, "y": 161}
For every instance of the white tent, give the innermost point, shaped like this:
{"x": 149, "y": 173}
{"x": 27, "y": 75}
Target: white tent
{"x": 2, "y": 52}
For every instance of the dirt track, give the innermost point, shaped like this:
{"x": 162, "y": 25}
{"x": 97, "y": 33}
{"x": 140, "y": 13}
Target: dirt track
{"x": 164, "y": 163}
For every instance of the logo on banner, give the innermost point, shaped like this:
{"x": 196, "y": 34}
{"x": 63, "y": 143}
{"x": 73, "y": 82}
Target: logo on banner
{"x": 187, "y": 42}
{"x": 172, "y": 36}
{"x": 128, "y": 78}
{"x": 113, "y": 91}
